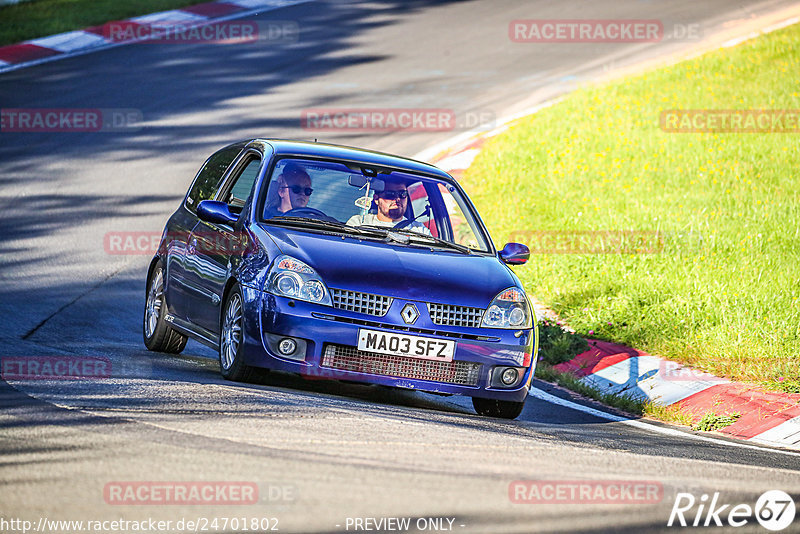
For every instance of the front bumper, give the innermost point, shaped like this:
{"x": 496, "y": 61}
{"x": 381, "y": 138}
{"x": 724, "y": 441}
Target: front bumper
{"x": 331, "y": 340}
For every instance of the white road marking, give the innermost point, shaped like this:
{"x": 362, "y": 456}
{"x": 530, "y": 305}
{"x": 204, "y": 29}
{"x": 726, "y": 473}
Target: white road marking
{"x": 462, "y": 160}
{"x": 169, "y": 17}
{"x": 785, "y": 433}
{"x": 263, "y": 5}
{"x": 649, "y": 378}
{"x": 270, "y": 4}
{"x": 547, "y": 397}
{"x": 69, "y": 41}
{"x": 431, "y": 152}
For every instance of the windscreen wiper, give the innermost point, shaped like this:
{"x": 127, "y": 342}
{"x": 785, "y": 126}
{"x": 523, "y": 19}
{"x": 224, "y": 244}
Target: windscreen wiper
{"x": 416, "y": 235}
{"x": 319, "y": 223}
{"x": 441, "y": 242}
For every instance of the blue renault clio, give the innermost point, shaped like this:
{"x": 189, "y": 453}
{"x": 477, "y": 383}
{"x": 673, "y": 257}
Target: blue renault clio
{"x": 347, "y": 264}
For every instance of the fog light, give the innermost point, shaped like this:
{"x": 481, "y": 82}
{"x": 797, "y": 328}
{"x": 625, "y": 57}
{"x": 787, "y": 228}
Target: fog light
{"x": 509, "y": 376}
{"x": 287, "y": 346}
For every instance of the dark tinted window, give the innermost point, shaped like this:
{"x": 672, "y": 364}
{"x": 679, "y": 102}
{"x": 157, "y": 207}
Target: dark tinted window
{"x": 208, "y": 179}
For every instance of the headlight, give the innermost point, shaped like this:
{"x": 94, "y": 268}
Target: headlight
{"x": 509, "y": 309}
{"x": 292, "y": 278}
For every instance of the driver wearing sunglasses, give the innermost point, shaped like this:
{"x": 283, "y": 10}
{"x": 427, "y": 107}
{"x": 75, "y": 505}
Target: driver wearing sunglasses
{"x": 294, "y": 190}
{"x": 392, "y": 203}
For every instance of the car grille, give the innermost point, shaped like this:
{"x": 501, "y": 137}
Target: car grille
{"x": 351, "y": 359}
{"x": 450, "y": 315}
{"x": 405, "y": 328}
{"x": 359, "y": 302}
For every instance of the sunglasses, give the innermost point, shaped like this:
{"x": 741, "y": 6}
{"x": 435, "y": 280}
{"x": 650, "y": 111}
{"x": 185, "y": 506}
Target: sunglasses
{"x": 391, "y": 195}
{"x": 296, "y": 189}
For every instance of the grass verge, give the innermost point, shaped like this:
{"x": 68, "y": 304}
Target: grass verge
{"x": 558, "y": 345}
{"x": 40, "y": 18}
{"x": 712, "y": 421}
{"x": 721, "y": 293}
{"x": 625, "y": 403}
{"x": 669, "y": 414}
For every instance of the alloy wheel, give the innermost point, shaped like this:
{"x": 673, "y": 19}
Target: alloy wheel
{"x": 231, "y": 331}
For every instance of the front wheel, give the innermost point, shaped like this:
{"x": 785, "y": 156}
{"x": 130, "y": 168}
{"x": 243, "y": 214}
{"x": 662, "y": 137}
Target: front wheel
{"x": 497, "y": 408}
{"x": 231, "y": 346}
{"x": 158, "y": 335}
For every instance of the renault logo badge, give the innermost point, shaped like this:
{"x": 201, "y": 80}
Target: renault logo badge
{"x": 409, "y": 313}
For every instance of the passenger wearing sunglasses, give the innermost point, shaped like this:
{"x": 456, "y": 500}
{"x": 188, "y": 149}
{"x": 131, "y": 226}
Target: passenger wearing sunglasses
{"x": 391, "y": 204}
{"x": 294, "y": 191}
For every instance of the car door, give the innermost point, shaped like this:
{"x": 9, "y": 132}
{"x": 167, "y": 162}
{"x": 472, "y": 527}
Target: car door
{"x": 205, "y": 187}
{"x": 211, "y": 245}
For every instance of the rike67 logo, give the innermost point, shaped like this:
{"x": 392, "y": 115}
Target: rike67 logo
{"x": 774, "y": 510}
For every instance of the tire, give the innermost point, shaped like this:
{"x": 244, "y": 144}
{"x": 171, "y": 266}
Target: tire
{"x": 158, "y": 335}
{"x": 497, "y": 408}
{"x": 231, "y": 365}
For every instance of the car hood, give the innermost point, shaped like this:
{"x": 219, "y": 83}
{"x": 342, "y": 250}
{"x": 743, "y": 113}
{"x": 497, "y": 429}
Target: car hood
{"x": 395, "y": 270}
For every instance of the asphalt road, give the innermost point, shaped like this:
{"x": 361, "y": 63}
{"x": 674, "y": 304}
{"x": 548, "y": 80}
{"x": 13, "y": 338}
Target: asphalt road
{"x": 319, "y": 452}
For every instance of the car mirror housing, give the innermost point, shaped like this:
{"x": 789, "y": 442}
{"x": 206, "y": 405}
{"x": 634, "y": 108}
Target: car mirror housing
{"x": 214, "y": 211}
{"x": 358, "y": 180}
{"x": 515, "y": 253}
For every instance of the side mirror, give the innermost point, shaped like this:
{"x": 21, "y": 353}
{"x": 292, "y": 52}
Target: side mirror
{"x": 515, "y": 253}
{"x": 214, "y": 211}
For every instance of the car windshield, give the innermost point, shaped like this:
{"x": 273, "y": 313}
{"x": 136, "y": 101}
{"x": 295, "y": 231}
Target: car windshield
{"x": 407, "y": 208}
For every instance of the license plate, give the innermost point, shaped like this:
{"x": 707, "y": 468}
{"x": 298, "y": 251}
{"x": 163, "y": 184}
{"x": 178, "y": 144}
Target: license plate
{"x": 425, "y": 348}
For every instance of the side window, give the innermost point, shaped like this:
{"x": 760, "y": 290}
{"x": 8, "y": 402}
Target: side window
{"x": 208, "y": 179}
{"x": 419, "y": 204}
{"x": 237, "y": 195}
{"x": 465, "y": 232}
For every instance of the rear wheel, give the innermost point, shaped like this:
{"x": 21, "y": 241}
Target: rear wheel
{"x": 231, "y": 364}
{"x": 158, "y": 335}
{"x": 498, "y": 408}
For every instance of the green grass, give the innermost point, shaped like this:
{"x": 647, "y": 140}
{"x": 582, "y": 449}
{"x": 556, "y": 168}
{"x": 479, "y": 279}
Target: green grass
{"x": 632, "y": 405}
{"x": 712, "y": 421}
{"x": 39, "y": 18}
{"x": 670, "y": 414}
{"x": 722, "y": 294}
{"x": 557, "y": 345}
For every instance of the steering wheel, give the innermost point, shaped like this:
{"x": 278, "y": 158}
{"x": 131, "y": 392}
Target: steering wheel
{"x": 311, "y": 213}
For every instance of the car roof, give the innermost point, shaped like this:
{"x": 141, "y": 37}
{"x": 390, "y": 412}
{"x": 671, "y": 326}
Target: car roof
{"x": 287, "y": 147}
